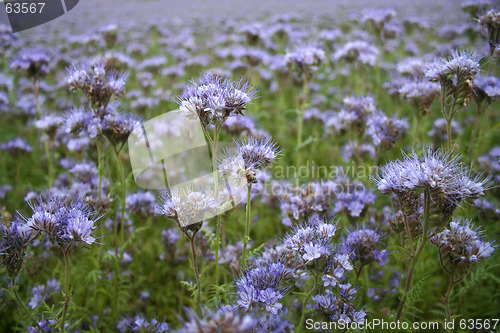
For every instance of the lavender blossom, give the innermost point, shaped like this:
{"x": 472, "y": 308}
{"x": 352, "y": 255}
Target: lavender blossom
{"x": 187, "y": 207}
{"x": 305, "y": 60}
{"x": 41, "y": 292}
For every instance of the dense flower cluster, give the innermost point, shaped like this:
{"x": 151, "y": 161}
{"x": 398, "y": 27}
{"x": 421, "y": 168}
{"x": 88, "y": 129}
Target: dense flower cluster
{"x": 13, "y": 244}
{"x": 262, "y": 286}
{"x": 33, "y": 64}
{"x": 362, "y": 243}
{"x": 214, "y": 98}
{"x": 186, "y": 206}
{"x": 65, "y": 223}
{"x": 252, "y": 154}
{"x": 97, "y": 83}
{"x": 460, "y": 246}
{"x": 448, "y": 181}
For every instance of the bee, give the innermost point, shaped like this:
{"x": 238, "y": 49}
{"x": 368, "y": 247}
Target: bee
{"x": 248, "y": 174}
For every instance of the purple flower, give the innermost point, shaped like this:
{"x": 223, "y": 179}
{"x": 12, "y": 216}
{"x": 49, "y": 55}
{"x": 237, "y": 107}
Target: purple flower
{"x": 33, "y": 64}
{"x": 16, "y": 146}
{"x": 460, "y": 246}
{"x": 65, "y": 223}
{"x": 13, "y": 244}
{"x": 97, "y": 83}
{"x": 214, "y": 98}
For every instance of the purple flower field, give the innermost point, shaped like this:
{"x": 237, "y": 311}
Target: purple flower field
{"x": 251, "y": 167}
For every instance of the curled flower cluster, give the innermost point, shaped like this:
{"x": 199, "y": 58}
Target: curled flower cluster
{"x": 32, "y": 64}
{"x": 214, "y": 98}
{"x": 262, "y": 287}
{"x": 362, "y": 243}
{"x": 339, "y": 307}
{"x": 187, "y": 206}
{"x": 311, "y": 242}
{"x": 448, "y": 181}
{"x": 65, "y": 223}
{"x": 490, "y": 22}
{"x": 305, "y": 60}
{"x": 256, "y": 154}
{"x": 13, "y": 244}
{"x": 357, "y": 51}
{"x": 16, "y": 147}
{"x": 456, "y": 75}
{"x": 460, "y": 246}
{"x": 97, "y": 83}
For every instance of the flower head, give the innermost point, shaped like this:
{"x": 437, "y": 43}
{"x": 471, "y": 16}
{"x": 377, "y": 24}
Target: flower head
{"x": 214, "y": 98}
{"x": 460, "y": 246}
{"x": 33, "y": 64}
{"x": 65, "y": 223}
{"x": 186, "y": 206}
{"x": 446, "y": 179}
{"x": 97, "y": 83}
{"x": 363, "y": 243}
{"x": 13, "y": 244}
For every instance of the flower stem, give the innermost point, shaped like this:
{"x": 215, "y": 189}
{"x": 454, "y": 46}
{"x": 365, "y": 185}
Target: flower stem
{"x": 304, "y": 304}
{"x": 474, "y": 131}
{"x": 301, "y": 122}
{"x": 447, "y": 299}
{"x": 218, "y": 233}
{"x": 416, "y": 256}
{"x": 99, "y": 167}
{"x": 196, "y": 272}
{"x": 20, "y": 303}
{"x": 247, "y": 225}
{"x": 124, "y": 196}
{"x": 67, "y": 297}
{"x": 46, "y": 147}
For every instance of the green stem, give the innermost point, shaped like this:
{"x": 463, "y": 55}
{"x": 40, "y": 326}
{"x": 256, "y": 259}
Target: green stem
{"x": 447, "y": 299}
{"x": 304, "y": 303}
{"x": 19, "y": 302}
{"x": 196, "y": 272}
{"x": 218, "y": 236}
{"x": 474, "y": 131}
{"x": 99, "y": 166}
{"x": 247, "y": 225}
{"x": 123, "y": 199}
{"x": 411, "y": 271}
{"x": 416, "y": 133}
{"x": 67, "y": 297}
{"x": 46, "y": 146}
{"x": 301, "y": 122}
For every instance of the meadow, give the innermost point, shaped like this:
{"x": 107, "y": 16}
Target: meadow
{"x": 348, "y": 172}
